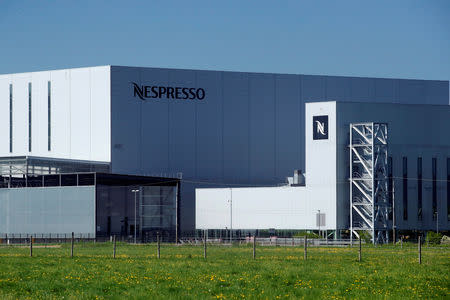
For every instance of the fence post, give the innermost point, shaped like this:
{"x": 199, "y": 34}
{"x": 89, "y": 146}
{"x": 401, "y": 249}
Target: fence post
{"x": 254, "y": 247}
{"x": 305, "y": 254}
{"x": 31, "y": 246}
{"x": 420, "y": 251}
{"x": 71, "y": 251}
{"x": 204, "y": 244}
{"x": 114, "y": 247}
{"x": 158, "y": 251}
{"x": 359, "y": 253}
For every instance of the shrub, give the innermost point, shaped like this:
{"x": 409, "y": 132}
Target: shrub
{"x": 433, "y": 238}
{"x": 365, "y": 236}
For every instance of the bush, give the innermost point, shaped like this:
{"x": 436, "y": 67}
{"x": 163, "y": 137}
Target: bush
{"x": 433, "y": 238}
{"x": 365, "y": 236}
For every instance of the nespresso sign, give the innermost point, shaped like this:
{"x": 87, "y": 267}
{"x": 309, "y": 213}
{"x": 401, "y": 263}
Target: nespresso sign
{"x": 167, "y": 92}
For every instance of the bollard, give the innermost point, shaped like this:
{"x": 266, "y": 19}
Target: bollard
{"x": 158, "y": 250}
{"x": 359, "y": 254}
{"x": 31, "y": 246}
{"x": 305, "y": 254}
{"x": 401, "y": 242}
{"x": 292, "y": 242}
{"x": 204, "y": 244}
{"x": 420, "y": 251}
{"x": 71, "y": 251}
{"x": 254, "y": 247}
{"x": 114, "y": 247}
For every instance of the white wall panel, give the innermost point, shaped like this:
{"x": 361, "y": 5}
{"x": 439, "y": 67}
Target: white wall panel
{"x": 40, "y": 113}
{"x": 100, "y": 114}
{"x": 80, "y": 113}
{"x": 4, "y": 115}
{"x": 321, "y": 156}
{"x": 20, "y": 113}
{"x": 79, "y": 129}
{"x": 212, "y": 208}
{"x": 61, "y": 125}
{"x": 261, "y": 208}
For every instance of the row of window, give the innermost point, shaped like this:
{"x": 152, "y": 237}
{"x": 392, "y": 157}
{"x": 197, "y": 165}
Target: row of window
{"x": 420, "y": 187}
{"x": 30, "y": 115}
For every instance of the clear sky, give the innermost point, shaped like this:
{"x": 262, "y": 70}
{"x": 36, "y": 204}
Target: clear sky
{"x": 405, "y": 39}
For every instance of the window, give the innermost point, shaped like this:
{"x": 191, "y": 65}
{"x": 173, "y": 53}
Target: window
{"x": 448, "y": 188}
{"x": 434, "y": 187}
{"x": 390, "y": 187}
{"x": 419, "y": 188}
{"x": 29, "y": 116}
{"x": 405, "y": 188}
{"x": 49, "y": 114}
{"x": 10, "y": 118}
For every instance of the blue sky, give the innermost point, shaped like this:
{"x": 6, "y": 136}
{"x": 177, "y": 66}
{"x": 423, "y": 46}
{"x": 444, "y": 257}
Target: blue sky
{"x": 405, "y": 39}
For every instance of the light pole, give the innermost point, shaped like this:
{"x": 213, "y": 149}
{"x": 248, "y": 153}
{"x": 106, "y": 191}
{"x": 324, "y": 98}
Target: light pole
{"x": 135, "y": 191}
{"x": 319, "y": 222}
{"x": 231, "y": 216}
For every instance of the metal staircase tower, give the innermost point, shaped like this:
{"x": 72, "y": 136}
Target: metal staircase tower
{"x": 369, "y": 203}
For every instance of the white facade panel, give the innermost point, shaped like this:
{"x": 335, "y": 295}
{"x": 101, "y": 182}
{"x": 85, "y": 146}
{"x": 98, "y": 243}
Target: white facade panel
{"x": 20, "y": 114}
{"x": 80, "y": 113}
{"x": 4, "y": 115}
{"x": 213, "y": 208}
{"x": 100, "y": 95}
{"x": 261, "y": 208}
{"x": 40, "y": 113}
{"x": 60, "y": 112}
{"x": 80, "y": 125}
{"x": 321, "y": 156}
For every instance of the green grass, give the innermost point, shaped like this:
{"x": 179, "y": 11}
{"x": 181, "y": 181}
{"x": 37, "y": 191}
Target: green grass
{"x": 228, "y": 273}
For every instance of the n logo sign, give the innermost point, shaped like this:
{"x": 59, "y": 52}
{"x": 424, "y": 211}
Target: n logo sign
{"x": 320, "y": 127}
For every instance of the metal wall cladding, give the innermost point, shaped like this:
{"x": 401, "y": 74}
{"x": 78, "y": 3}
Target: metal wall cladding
{"x": 50, "y": 210}
{"x": 79, "y": 114}
{"x": 414, "y": 131}
{"x": 249, "y": 129}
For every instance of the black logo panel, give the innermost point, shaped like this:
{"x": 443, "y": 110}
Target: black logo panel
{"x": 320, "y": 127}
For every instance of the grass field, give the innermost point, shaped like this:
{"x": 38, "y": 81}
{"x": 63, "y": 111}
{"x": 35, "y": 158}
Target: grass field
{"x": 228, "y": 273}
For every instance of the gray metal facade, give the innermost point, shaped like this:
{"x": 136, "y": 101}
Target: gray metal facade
{"x": 54, "y": 210}
{"x": 248, "y": 130}
{"x": 414, "y": 132}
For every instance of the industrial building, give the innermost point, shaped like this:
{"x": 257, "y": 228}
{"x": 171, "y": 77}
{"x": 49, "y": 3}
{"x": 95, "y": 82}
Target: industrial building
{"x": 210, "y": 128}
{"x": 369, "y": 167}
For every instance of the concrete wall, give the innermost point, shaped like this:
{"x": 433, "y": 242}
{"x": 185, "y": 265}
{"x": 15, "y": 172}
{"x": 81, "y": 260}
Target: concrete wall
{"x": 80, "y": 114}
{"x": 55, "y": 210}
